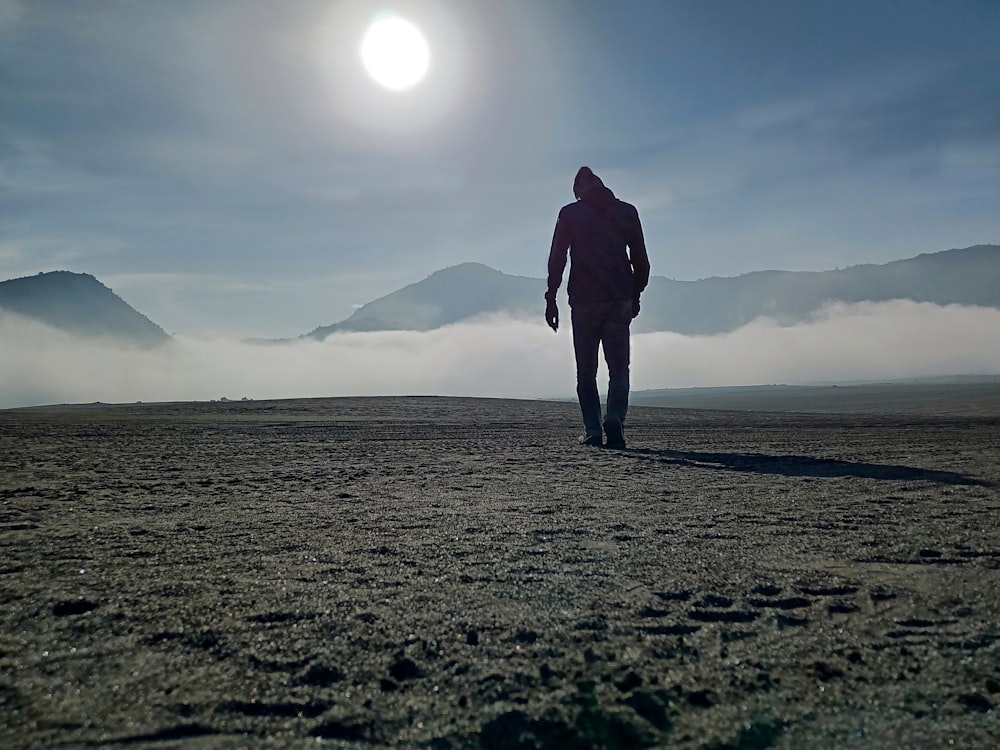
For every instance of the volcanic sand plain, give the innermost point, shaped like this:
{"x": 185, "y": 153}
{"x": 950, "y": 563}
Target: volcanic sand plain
{"x": 460, "y": 573}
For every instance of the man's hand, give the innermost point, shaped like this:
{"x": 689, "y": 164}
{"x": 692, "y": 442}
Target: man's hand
{"x": 552, "y": 314}
{"x": 635, "y": 306}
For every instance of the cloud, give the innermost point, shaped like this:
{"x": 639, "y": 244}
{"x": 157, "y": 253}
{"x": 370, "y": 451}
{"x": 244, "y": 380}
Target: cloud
{"x": 843, "y": 342}
{"x": 497, "y": 357}
{"x": 501, "y": 357}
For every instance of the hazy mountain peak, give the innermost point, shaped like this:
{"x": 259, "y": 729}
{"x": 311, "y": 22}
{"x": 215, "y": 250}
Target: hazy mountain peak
{"x": 446, "y": 296}
{"x": 80, "y": 304}
{"x": 467, "y": 267}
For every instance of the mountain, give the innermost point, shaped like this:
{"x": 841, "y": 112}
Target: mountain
{"x": 80, "y": 304}
{"x": 967, "y": 276}
{"x": 447, "y": 296}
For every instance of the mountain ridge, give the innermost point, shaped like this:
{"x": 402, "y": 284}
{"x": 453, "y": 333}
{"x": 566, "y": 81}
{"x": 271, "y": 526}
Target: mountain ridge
{"x": 433, "y": 302}
{"x": 717, "y": 304}
{"x": 80, "y": 304}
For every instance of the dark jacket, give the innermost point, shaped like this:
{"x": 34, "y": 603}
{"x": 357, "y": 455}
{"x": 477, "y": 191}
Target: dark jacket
{"x": 603, "y": 237}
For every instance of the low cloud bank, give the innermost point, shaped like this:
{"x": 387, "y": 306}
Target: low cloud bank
{"x": 498, "y": 357}
{"x": 843, "y": 342}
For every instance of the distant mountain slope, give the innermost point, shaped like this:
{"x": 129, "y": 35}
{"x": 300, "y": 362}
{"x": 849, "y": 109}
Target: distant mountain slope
{"x": 80, "y": 304}
{"x": 444, "y": 297}
{"x": 969, "y": 276}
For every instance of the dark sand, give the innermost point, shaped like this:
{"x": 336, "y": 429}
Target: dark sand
{"x": 459, "y": 573}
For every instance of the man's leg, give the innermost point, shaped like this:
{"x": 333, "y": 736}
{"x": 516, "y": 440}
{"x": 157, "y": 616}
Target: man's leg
{"x": 615, "y": 340}
{"x": 586, "y": 340}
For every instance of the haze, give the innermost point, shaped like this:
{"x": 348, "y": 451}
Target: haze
{"x": 497, "y": 357}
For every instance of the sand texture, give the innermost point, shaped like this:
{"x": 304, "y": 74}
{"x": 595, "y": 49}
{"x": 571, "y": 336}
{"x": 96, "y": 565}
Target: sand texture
{"x": 460, "y": 573}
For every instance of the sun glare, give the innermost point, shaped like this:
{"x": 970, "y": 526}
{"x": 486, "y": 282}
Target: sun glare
{"x": 395, "y": 53}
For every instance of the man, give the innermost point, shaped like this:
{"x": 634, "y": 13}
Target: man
{"x": 609, "y": 269}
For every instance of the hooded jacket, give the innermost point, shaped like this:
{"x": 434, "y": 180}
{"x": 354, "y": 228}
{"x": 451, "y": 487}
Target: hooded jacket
{"x": 602, "y": 237}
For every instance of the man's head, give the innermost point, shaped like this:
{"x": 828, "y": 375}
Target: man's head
{"x": 585, "y": 181}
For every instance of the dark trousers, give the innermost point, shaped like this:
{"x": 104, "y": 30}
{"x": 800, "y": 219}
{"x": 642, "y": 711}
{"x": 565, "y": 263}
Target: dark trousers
{"x": 603, "y": 324}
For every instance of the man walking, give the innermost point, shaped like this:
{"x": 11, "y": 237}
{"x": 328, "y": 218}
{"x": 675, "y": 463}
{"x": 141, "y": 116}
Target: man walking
{"x": 609, "y": 269}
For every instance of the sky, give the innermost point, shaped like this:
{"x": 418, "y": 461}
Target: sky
{"x": 229, "y": 168}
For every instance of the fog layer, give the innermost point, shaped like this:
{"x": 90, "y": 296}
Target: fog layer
{"x": 496, "y": 357}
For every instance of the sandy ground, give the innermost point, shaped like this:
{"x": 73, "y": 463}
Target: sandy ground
{"x": 459, "y": 573}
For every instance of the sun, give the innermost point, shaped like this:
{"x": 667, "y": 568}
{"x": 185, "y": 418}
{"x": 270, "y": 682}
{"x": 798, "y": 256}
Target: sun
{"x": 395, "y": 53}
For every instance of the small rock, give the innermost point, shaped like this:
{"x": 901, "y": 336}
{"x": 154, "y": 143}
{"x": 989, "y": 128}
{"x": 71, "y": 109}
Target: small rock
{"x": 826, "y": 672}
{"x": 975, "y": 702}
{"x": 405, "y": 669}
{"x": 701, "y": 698}
{"x": 525, "y": 636}
{"x": 73, "y": 607}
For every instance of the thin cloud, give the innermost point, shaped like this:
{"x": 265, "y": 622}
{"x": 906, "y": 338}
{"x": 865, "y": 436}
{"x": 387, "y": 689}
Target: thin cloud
{"x": 496, "y": 357}
{"x": 863, "y": 341}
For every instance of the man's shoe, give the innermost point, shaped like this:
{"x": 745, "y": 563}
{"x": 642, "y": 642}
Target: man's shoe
{"x": 593, "y": 440}
{"x": 616, "y": 433}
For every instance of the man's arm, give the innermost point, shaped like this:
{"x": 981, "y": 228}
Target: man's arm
{"x": 557, "y": 257}
{"x": 637, "y": 255}
{"x": 557, "y": 264}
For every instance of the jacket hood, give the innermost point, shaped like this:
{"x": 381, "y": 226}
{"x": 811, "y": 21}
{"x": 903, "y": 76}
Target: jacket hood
{"x": 588, "y": 186}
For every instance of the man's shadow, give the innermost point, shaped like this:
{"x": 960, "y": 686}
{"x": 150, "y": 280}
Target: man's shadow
{"x": 804, "y": 466}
